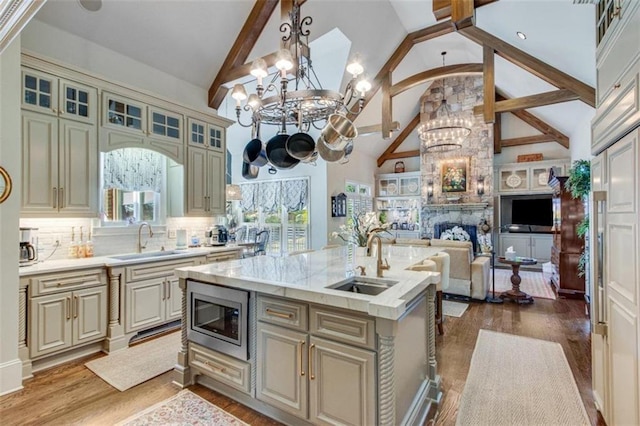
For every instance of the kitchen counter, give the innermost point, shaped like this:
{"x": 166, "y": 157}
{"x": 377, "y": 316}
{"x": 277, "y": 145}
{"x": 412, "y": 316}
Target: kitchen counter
{"x": 111, "y": 260}
{"x": 310, "y": 276}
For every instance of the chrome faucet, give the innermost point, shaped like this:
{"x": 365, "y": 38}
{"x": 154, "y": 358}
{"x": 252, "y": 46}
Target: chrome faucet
{"x": 140, "y": 246}
{"x": 379, "y": 266}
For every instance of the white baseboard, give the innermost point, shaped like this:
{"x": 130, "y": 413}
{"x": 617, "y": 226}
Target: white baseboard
{"x": 10, "y": 376}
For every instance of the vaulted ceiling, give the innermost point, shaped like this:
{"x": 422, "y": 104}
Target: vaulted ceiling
{"x": 191, "y": 39}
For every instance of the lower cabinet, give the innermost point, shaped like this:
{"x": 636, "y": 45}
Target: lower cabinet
{"x": 152, "y": 302}
{"x": 537, "y": 246}
{"x": 65, "y": 319}
{"x": 314, "y": 378}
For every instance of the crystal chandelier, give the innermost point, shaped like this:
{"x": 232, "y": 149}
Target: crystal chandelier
{"x": 293, "y": 95}
{"x": 445, "y": 131}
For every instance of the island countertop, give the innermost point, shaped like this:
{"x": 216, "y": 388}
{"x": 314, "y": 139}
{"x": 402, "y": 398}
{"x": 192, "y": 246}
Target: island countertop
{"x": 310, "y": 276}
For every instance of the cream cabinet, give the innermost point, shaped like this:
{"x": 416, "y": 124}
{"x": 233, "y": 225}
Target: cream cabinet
{"x": 66, "y": 310}
{"x": 398, "y": 184}
{"x": 529, "y": 176}
{"x": 306, "y": 374}
{"x": 59, "y": 167}
{"x": 58, "y": 97}
{"x": 206, "y": 164}
{"x": 152, "y": 294}
{"x": 537, "y": 246}
{"x": 130, "y": 123}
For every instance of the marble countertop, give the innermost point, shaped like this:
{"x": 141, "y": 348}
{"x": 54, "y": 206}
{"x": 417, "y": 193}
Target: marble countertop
{"x": 111, "y": 260}
{"x": 309, "y": 276}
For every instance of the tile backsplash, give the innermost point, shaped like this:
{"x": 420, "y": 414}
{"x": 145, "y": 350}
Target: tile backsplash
{"x": 108, "y": 241}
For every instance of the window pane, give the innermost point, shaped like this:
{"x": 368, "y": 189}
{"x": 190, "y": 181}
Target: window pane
{"x": 173, "y": 122}
{"x": 45, "y": 86}
{"x": 158, "y": 118}
{"x": 116, "y": 118}
{"x": 71, "y": 107}
{"x": 71, "y": 94}
{"x": 83, "y": 96}
{"x": 158, "y": 129}
{"x": 134, "y": 122}
{"x": 173, "y": 133}
{"x": 134, "y": 111}
{"x": 30, "y": 82}
{"x": 83, "y": 111}
{"x": 30, "y": 97}
{"x": 45, "y": 100}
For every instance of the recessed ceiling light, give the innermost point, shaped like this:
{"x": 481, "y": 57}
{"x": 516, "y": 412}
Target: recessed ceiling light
{"x": 522, "y": 35}
{"x": 91, "y": 5}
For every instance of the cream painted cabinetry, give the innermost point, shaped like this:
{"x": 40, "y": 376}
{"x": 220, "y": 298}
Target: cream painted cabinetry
{"x": 206, "y": 160}
{"x": 537, "y": 246}
{"x": 312, "y": 377}
{"x": 66, "y": 310}
{"x": 529, "y": 176}
{"x": 152, "y": 294}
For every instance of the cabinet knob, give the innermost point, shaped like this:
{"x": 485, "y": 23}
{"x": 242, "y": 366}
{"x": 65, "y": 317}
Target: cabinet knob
{"x": 616, "y": 86}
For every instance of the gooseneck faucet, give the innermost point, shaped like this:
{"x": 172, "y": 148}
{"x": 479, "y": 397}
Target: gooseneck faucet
{"x": 140, "y": 246}
{"x": 379, "y": 266}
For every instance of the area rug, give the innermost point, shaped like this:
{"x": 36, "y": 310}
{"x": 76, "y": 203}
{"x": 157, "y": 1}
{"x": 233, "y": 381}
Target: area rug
{"x": 129, "y": 367}
{"x": 519, "y": 380}
{"x": 185, "y": 408}
{"x": 533, "y": 283}
{"x": 453, "y": 309}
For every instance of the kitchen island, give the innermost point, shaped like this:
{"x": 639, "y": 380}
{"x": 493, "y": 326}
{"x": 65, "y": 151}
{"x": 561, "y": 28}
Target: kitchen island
{"x": 324, "y": 345}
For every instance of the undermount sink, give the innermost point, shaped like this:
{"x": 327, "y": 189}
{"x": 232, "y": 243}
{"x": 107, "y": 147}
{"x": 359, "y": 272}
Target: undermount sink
{"x": 146, "y": 255}
{"x": 364, "y": 285}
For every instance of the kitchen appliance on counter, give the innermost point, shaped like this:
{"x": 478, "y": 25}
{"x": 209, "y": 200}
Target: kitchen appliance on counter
{"x": 28, "y": 246}
{"x": 217, "y": 235}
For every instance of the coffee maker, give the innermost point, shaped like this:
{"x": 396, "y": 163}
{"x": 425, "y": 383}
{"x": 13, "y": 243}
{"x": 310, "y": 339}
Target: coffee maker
{"x": 28, "y": 246}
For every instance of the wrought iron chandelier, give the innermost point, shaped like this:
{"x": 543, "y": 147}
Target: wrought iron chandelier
{"x": 445, "y": 131}
{"x": 294, "y": 94}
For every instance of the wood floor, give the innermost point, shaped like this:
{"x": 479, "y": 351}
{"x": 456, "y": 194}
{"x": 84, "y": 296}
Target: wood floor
{"x": 71, "y": 394}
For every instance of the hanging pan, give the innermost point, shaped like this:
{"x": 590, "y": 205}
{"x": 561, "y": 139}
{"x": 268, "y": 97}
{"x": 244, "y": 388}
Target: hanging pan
{"x": 338, "y": 131}
{"x": 277, "y": 153}
{"x": 328, "y": 155}
{"x": 254, "y": 153}
{"x": 300, "y": 146}
{"x": 249, "y": 171}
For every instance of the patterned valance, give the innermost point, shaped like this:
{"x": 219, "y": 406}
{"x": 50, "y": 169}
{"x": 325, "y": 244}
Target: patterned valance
{"x": 291, "y": 194}
{"x": 133, "y": 169}
{"x": 249, "y": 191}
{"x": 294, "y": 194}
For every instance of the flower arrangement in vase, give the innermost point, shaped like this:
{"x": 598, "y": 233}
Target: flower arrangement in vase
{"x": 455, "y": 233}
{"x": 359, "y": 227}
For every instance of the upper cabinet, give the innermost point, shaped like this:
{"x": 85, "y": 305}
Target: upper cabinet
{"x": 527, "y": 177}
{"x": 131, "y": 123}
{"x": 398, "y": 184}
{"x": 617, "y": 72}
{"x": 47, "y": 94}
{"x": 205, "y": 135}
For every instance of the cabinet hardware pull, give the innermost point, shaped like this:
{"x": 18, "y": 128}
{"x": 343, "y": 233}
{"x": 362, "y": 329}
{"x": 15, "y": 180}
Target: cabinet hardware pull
{"x": 68, "y": 307}
{"x": 279, "y": 314}
{"x": 215, "y": 367}
{"x": 598, "y": 315}
{"x": 301, "y": 349}
{"x": 61, "y": 195}
{"x": 59, "y": 284}
{"x": 168, "y": 289}
{"x": 164, "y": 290}
{"x": 55, "y": 198}
{"x": 616, "y": 86}
{"x": 77, "y": 306}
{"x": 311, "y": 375}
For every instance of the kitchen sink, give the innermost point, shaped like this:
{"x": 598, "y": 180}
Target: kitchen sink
{"x": 364, "y": 285}
{"x": 147, "y": 255}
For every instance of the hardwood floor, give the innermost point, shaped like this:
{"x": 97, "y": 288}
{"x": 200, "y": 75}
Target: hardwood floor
{"x": 71, "y": 394}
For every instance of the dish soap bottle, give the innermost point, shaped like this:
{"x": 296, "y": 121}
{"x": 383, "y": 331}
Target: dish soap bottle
{"x": 73, "y": 247}
{"x": 88, "y": 247}
{"x": 81, "y": 245}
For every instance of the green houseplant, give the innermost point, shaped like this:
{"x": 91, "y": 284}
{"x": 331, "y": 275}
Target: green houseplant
{"x": 579, "y": 184}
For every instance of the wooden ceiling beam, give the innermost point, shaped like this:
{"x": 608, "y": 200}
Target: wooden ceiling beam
{"x": 404, "y": 154}
{"x": 416, "y": 79}
{"x": 398, "y": 141}
{"x": 533, "y": 65}
{"x": 442, "y": 8}
{"x": 531, "y": 101}
{"x": 387, "y": 107}
{"x": 489, "y": 85}
{"x": 462, "y": 14}
{"x": 497, "y": 134}
{"x": 526, "y": 140}
{"x": 251, "y": 30}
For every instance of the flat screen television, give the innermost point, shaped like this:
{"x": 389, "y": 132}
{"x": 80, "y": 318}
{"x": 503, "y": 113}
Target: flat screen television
{"x": 532, "y": 211}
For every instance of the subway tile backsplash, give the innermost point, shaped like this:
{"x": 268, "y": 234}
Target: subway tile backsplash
{"x": 110, "y": 242}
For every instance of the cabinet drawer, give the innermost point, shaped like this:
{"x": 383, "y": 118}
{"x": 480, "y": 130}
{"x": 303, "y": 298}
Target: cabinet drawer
{"x": 283, "y": 312}
{"x": 619, "y": 111}
{"x": 221, "y": 257}
{"x": 341, "y": 326}
{"x": 53, "y": 283}
{"x": 155, "y": 270}
{"x": 223, "y": 368}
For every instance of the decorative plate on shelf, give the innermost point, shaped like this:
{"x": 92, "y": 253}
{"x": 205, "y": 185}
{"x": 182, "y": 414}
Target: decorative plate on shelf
{"x": 412, "y": 187}
{"x": 513, "y": 181}
{"x": 543, "y": 178}
{"x": 392, "y": 189}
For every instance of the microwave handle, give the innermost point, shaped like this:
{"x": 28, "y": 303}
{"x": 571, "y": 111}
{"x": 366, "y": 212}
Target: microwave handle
{"x": 598, "y": 311}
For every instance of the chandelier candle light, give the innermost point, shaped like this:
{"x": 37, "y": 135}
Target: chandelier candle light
{"x": 294, "y": 96}
{"x": 445, "y": 131}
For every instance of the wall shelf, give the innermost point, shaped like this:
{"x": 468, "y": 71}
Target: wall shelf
{"x": 455, "y": 206}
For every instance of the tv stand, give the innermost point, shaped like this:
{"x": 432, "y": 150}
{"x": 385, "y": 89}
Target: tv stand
{"x": 535, "y": 245}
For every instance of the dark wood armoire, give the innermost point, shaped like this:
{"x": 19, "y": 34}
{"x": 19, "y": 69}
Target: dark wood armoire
{"x": 567, "y": 247}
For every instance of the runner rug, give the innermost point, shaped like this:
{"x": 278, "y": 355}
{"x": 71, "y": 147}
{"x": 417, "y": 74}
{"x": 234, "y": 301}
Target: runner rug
{"x": 131, "y": 366}
{"x": 453, "y": 309}
{"x": 519, "y": 380}
{"x": 185, "y": 408}
{"x": 533, "y": 283}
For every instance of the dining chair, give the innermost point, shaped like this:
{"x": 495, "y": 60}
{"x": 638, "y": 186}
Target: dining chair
{"x": 262, "y": 238}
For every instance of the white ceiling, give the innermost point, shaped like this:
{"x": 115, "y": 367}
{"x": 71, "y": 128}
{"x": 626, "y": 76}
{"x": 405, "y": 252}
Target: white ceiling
{"x": 190, "y": 40}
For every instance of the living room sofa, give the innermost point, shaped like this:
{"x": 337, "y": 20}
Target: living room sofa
{"x": 469, "y": 275}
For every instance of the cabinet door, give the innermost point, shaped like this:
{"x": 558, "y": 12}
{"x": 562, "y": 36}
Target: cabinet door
{"x": 197, "y": 203}
{"x": 216, "y": 138}
{"x": 124, "y": 114}
{"x": 89, "y": 314}
{"x": 78, "y": 169}
{"x": 512, "y": 180}
{"x": 144, "y": 304}
{"x": 39, "y": 163}
{"x": 539, "y": 178}
{"x": 281, "y": 369}
{"x": 520, "y": 243}
{"x": 78, "y": 102}
{"x": 39, "y": 92}
{"x": 410, "y": 185}
{"x": 541, "y": 247}
{"x": 388, "y": 187}
{"x": 341, "y": 384}
{"x": 216, "y": 182}
{"x": 173, "y": 297}
{"x": 197, "y": 133}
{"x": 49, "y": 323}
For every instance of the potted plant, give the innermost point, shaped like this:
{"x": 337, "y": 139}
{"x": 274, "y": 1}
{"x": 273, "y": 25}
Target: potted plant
{"x": 579, "y": 184}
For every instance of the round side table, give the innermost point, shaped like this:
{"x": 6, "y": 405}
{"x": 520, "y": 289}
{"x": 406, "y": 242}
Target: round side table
{"x": 515, "y": 294}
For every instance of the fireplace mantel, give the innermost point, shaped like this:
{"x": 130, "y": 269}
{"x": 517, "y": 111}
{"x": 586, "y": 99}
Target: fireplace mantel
{"x": 456, "y": 206}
